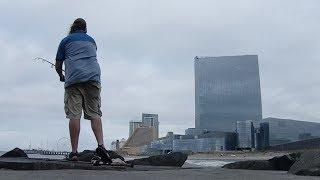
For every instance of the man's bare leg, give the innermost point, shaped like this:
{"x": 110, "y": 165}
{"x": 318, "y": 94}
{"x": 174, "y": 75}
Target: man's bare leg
{"x": 74, "y": 129}
{"x": 96, "y": 126}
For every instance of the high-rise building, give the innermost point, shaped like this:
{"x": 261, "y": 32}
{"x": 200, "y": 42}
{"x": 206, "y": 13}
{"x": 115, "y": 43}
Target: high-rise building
{"x": 140, "y": 137}
{"x": 133, "y": 125}
{"x": 262, "y": 139}
{"x": 195, "y": 131}
{"x": 207, "y": 142}
{"x": 245, "y": 133}
{"x": 287, "y": 130}
{"x": 227, "y": 90}
{"x": 151, "y": 120}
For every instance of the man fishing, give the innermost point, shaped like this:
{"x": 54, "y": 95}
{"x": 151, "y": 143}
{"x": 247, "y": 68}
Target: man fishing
{"x": 82, "y": 85}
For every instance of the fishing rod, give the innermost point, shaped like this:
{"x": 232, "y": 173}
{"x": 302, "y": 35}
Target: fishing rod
{"x": 45, "y": 61}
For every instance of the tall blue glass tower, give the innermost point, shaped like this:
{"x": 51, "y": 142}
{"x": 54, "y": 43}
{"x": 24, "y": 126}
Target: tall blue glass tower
{"x": 227, "y": 90}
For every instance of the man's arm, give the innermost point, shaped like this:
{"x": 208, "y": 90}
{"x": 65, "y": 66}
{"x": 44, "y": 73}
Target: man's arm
{"x": 59, "y": 70}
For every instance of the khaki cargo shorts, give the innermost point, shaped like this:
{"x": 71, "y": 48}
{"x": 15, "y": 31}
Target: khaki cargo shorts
{"x": 83, "y": 96}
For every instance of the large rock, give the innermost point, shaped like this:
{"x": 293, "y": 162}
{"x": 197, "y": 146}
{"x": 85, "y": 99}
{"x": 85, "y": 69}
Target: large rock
{"x": 251, "y": 165}
{"x": 307, "y": 164}
{"x": 280, "y": 163}
{"x": 115, "y": 155}
{"x": 283, "y": 163}
{"x": 171, "y": 159}
{"x": 315, "y": 171}
{"x": 16, "y": 152}
{"x": 87, "y": 155}
{"x": 49, "y": 164}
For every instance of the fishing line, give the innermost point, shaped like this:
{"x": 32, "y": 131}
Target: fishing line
{"x": 45, "y": 61}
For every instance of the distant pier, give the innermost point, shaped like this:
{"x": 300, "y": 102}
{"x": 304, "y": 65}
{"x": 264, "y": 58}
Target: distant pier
{"x": 45, "y": 152}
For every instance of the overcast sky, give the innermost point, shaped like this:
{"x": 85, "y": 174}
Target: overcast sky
{"x": 146, "y": 50}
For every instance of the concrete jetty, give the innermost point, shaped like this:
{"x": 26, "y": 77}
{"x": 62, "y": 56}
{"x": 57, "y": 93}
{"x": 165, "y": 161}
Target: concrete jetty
{"x": 154, "y": 174}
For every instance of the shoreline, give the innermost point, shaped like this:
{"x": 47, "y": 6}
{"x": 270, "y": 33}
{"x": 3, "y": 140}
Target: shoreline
{"x": 236, "y": 155}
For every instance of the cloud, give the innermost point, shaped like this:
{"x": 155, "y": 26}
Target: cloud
{"x": 146, "y": 50}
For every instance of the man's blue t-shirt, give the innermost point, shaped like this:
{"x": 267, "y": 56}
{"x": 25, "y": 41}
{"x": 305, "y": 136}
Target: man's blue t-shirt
{"x": 79, "y": 53}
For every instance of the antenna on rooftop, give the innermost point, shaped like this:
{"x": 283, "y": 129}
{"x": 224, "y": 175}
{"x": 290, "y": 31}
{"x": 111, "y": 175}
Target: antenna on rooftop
{"x": 30, "y": 143}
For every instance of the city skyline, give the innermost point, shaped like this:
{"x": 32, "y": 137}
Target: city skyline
{"x": 227, "y": 90}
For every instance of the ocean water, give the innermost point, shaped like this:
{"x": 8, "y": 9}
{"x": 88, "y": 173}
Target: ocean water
{"x": 46, "y": 156}
{"x": 205, "y": 163}
{"x": 194, "y": 162}
{"x": 41, "y": 156}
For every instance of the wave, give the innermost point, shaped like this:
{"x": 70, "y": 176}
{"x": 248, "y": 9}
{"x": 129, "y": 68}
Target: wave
{"x": 205, "y": 163}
